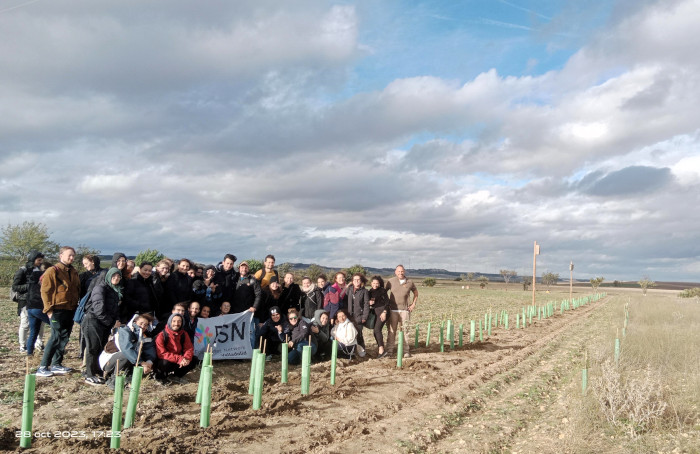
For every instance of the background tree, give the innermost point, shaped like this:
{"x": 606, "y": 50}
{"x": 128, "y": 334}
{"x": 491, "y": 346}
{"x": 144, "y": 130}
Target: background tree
{"x": 645, "y": 284}
{"x": 429, "y": 282}
{"x": 617, "y": 283}
{"x": 527, "y": 282}
{"x": 595, "y": 283}
{"x": 507, "y": 275}
{"x": 314, "y": 271}
{"x": 149, "y": 255}
{"x": 283, "y": 269}
{"x": 254, "y": 265}
{"x": 462, "y": 277}
{"x": 550, "y": 278}
{"x": 80, "y": 252}
{"x": 483, "y": 281}
{"x": 357, "y": 268}
{"x": 470, "y": 277}
{"x": 17, "y": 240}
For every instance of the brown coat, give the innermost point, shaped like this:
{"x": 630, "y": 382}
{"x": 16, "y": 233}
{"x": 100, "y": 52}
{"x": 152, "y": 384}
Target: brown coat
{"x": 60, "y": 288}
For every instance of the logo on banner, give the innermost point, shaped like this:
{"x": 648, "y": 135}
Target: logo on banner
{"x": 229, "y": 335}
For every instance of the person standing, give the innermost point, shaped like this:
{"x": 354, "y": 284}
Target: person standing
{"x": 264, "y": 275}
{"x": 21, "y": 285}
{"x": 358, "y": 305}
{"x": 379, "y": 303}
{"x": 60, "y": 291}
{"x": 101, "y": 314}
{"x": 401, "y": 288}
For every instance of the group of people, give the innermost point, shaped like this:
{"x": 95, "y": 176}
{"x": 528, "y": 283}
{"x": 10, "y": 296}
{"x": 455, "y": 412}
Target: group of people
{"x": 147, "y": 314}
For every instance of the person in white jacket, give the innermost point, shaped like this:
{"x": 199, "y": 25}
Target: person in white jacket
{"x": 346, "y": 334}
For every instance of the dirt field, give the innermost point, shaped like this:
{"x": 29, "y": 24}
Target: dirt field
{"x": 518, "y": 391}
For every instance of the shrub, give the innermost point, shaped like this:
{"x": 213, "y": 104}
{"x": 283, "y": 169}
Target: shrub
{"x": 690, "y": 293}
{"x": 149, "y": 255}
{"x": 635, "y": 403}
{"x": 429, "y": 282}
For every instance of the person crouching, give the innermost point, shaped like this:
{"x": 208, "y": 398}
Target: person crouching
{"x": 175, "y": 351}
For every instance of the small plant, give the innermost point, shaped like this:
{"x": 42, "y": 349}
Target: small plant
{"x": 634, "y": 403}
{"x": 595, "y": 283}
{"x": 690, "y": 293}
{"x": 645, "y": 284}
{"x": 429, "y": 282}
{"x": 483, "y": 281}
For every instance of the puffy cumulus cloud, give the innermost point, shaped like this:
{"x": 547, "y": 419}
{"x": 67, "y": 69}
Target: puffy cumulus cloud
{"x": 201, "y": 130}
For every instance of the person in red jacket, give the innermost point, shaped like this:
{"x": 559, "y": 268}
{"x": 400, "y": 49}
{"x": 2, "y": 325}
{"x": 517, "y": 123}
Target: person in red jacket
{"x": 175, "y": 351}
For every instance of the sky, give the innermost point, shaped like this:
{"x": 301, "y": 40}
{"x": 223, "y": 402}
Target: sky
{"x": 437, "y": 134}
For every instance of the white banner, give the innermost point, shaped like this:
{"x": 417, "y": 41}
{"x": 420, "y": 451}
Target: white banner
{"x": 228, "y": 334}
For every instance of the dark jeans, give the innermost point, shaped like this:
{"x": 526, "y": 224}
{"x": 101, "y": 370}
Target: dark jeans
{"x": 124, "y": 364}
{"x": 165, "y": 367}
{"x": 294, "y": 356}
{"x": 36, "y": 318}
{"x": 360, "y": 338}
{"x": 61, "y": 327}
{"x": 379, "y": 325}
{"x": 96, "y": 336}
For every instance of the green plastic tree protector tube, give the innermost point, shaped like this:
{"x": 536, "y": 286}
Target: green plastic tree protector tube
{"x": 305, "y": 370}
{"x": 115, "y": 441}
{"x": 205, "y": 412}
{"x": 27, "y": 410}
{"x": 334, "y": 360}
{"x": 136, "y": 376}
{"x": 285, "y": 362}
{"x": 399, "y": 350}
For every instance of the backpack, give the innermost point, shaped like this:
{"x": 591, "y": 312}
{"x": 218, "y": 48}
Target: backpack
{"x": 80, "y": 311}
{"x": 14, "y": 296}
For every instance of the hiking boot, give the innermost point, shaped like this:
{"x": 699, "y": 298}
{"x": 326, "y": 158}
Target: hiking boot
{"x": 42, "y": 371}
{"x": 61, "y": 370}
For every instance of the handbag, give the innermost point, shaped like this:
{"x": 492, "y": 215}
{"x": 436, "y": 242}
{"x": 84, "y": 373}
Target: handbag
{"x": 371, "y": 320}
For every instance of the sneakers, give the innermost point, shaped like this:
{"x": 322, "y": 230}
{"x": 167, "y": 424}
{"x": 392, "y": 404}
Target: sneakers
{"x": 406, "y": 355}
{"x": 22, "y": 350}
{"x": 42, "y": 371}
{"x": 268, "y": 358}
{"x": 94, "y": 381}
{"x": 382, "y": 355}
{"x": 39, "y": 347}
{"x": 61, "y": 370}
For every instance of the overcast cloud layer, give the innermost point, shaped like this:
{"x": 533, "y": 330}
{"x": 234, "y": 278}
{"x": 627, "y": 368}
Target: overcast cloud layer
{"x": 342, "y": 133}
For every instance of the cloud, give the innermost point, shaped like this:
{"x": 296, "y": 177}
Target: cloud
{"x": 239, "y": 127}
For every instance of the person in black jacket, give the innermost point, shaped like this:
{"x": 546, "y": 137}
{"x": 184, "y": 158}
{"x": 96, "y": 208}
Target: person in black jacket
{"x": 160, "y": 279}
{"x": 358, "y": 304}
{"x": 225, "y": 280}
{"x": 139, "y": 294}
{"x": 101, "y": 314}
{"x": 298, "y": 332}
{"x": 311, "y": 298}
{"x": 270, "y": 331}
{"x": 34, "y": 306}
{"x": 180, "y": 284}
{"x": 379, "y": 303}
{"x": 91, "y": 263}
{"x": 248, "y": 295}
{"x": 290, "y": 294}
{"x": 20, "y": 285}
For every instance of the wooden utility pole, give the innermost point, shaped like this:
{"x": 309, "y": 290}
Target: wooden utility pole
{"x": 571, "y": 280}
{"x": 536, "y": 252}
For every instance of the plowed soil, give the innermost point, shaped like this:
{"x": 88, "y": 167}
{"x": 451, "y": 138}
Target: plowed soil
{"x": 505, "y": 394}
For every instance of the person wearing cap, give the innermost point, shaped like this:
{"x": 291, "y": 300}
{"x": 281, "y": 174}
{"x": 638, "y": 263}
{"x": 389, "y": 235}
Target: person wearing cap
{"x": 21, "y": 286}
{"x": 248, "y": 294}
{"x": 270, "y": 330}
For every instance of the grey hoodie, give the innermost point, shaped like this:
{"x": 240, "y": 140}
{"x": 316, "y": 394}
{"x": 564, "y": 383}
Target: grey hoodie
{"x": 324, "y": 332}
